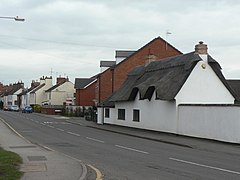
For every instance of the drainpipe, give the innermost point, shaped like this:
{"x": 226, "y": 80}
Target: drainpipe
{"x": 112, "y": 70}
{"x": 99, "y": 89}
{"x": 35, "y": 97}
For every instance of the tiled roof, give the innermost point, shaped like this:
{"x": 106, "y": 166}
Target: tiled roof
{"x": 235, "y": 85}
{"x": 55, "y": 86}
{"x": 81, "y": 83}
{"x": 27, "y": 90}
{"x": 37, "y": 88}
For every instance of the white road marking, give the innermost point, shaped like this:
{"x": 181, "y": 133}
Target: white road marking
{"x": 93, "y": 139}
{"x": 73, "y": 133}
{"x": 50, "y": 126}
{"x": 43, "y": 124}
{"x": 206, "y": 166}
{"x": 50, "y": 122}
{"x": 61, "y": 117}
{"x": 59, "y": 129}
{"x": 132, "y": 149}
{"x": 45, "y": 147}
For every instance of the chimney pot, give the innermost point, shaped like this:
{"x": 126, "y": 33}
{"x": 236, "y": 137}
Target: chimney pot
{"x": 201, "y": 48}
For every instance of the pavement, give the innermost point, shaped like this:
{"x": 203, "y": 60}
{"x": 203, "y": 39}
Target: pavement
{"x": 39, "y": 162}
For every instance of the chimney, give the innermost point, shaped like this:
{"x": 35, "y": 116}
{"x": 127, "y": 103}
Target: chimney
{"x": 35, "y": 83}
{"x": 201, "y": 48}
{"x": 42, "y": 80}
{"x": 61, "y": 80}
{"x": 150, "y": 58}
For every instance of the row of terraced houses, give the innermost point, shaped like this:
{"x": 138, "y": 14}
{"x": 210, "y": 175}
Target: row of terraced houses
{"x": 156, "y": 87}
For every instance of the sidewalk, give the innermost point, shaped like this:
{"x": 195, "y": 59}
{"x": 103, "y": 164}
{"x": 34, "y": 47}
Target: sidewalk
{"x": 40, "y": 163}
{"x": 184, "y": 141}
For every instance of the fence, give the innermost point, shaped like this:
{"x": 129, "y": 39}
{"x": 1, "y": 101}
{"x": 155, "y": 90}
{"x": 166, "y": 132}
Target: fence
{"x": 89, "y": 112}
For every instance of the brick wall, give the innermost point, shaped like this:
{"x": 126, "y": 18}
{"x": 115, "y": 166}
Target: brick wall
{"x": 112, "y": 79}
{"x": 157, "y": 47}
{"x": 105, "y": 85}
{"x": 85, "y": 97}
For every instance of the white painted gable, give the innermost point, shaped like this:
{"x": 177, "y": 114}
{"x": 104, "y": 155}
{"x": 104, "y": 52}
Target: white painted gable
{"x": 203, "y": 87}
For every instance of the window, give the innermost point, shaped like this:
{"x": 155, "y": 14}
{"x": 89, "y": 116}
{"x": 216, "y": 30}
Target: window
{"x": 107, "y": 113}
{"x": 136, "y": 115}
{"x": 121, "y": 114}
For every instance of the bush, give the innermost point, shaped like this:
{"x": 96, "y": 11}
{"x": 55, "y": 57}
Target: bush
{"x": 37, "y": 108}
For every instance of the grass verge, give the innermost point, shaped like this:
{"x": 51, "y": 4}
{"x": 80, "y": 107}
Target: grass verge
{"x": 9, "y": 165}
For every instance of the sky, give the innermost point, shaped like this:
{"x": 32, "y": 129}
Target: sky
{"x": 68, "y": 38}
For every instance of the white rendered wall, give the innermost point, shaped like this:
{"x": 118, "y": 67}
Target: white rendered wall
{"x": 32, "y": 98}
{"x": 203, "y": 87}
{"x": 154, "y": 115}
{"x": 61, "y": 93}
{"x": 39, "y": 96}
{"x": 100, "y": 115}
{"x": 212, "y": 122}
{"x": 14, "y": 96}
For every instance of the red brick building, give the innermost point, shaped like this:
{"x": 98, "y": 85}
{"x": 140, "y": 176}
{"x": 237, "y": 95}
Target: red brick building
{"x": 111, "y": 79}
{"x": 85, "y": 91}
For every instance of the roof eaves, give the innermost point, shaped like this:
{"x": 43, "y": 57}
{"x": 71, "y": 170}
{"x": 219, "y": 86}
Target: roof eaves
{"x": 90, "y": 83}
{"x": 55, "y": 86}
{"x": 37, "y": 88}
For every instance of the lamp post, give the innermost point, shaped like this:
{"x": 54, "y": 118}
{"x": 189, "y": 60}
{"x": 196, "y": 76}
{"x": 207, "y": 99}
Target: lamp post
{"x": 12, "y": 17}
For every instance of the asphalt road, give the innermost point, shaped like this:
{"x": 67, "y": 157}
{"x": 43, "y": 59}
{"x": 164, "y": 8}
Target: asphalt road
{"x": 122, "y": 157}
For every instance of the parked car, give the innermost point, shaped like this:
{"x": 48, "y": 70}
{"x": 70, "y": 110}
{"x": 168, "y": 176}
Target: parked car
{"x": 14, "y": 108}
{"x": 27, "y": 109}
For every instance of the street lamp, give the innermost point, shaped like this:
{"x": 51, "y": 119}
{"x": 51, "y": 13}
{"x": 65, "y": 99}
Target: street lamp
{"x": 11, "y": 17}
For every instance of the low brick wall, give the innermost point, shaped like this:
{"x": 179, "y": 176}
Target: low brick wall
{"x": 52, "y": 110}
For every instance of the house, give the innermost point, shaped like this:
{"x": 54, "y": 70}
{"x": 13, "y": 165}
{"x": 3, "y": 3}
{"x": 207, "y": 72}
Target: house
{"x": 3, "y": 90}
{"x": 37, "y": 95}
{"x": 59, "y": 93}
{"x": 185, "y": 94}
{"x": 111, "y": 79}
{"x": 25, "y": 95}
{"x": 11, "y": 93}
{"x": 85, "y": 91}
{"x": 86, "y": 87}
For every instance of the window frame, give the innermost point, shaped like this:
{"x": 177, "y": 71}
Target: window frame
{"x": 136, "y": 117}
{"x": 121, "y": 114}
{"x": 107, "y": 113}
